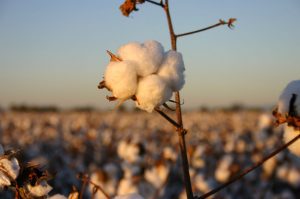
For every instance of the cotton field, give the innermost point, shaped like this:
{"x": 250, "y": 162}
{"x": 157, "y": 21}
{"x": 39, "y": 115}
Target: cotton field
{"x": 137, "y": 152}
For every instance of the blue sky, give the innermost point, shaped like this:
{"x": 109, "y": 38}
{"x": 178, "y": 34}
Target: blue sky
{"x": 53, "y": 52}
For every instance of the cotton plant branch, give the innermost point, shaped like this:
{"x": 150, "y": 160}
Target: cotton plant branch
{"x": 229, "y": 23}
{"x": 249, "y": 169}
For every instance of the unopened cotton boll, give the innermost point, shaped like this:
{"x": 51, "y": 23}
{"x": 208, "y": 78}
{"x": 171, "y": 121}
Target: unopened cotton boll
{"x": 289, "y": 134}
{"x": 148, "y": 56}
{"x": 284, "y": 100}
{"x": 152, "y": 92}
{"x": 172, "y": 70}
{"x": 121, "y": 78}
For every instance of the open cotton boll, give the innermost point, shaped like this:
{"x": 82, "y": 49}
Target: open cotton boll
{"x": 121, "y": 78}
{"x": 172, "y": 70}
{"x": 284, "y": 100}
{"x": 129, "y": 196}
{"x": 148, "y": 56}
{"x": 152, "y": 92}
{"x": 58, "y": 196}
{"x": 11, "y": 167}
{"x": 4, "y": 180}
{"x": 39, "y": 190}
{"x": 289, "y": 134}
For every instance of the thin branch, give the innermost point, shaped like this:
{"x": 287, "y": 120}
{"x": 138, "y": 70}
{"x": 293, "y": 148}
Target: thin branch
{"x": 201, "y": 30}
{"x": 249, "y": 169}
{"x": 164, "y": 115}
{"x": 155, "y": 3}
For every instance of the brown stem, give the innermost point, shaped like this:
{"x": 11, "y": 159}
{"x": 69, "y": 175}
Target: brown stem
{"x": 200, "y": 30}
{"x": 249, "y": 169}
{"x": 180, "y": 130}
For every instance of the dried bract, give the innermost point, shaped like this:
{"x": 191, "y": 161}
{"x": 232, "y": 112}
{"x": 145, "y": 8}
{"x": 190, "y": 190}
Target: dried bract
{"x": 129, "y": 5}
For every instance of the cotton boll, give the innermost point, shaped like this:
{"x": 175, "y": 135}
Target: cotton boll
{"x": 222, "y": 175}
{"x": 58, "y": 196}
{"x": 121, "y": 78}
{"x": 11, "y": 167}
{"x": 265, "y": 121}
{"x": 172, "y": 70}
{"x": 152, "y": 92}
{"x": 4, "y": 180}
{"x": 284, "y": 100}
{"x": 39, "y": 190}
{"x": 203, "y": 184}
{"x": 129, "y": 196}
{"x": 223, "y": 172}
{"x": 269, "y": 166}
{"x": 294, "y": 177}
{"x": 126, "y": 186}
{"x": 289, "y": 134}
{"x": 157, "y": 175}
{"x": 148, "y": 56}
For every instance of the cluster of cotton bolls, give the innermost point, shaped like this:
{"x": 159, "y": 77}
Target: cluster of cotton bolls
{"x": 288, "y": 111}
{"x": 130, "y": 153}
{"x": 145, "y": 73}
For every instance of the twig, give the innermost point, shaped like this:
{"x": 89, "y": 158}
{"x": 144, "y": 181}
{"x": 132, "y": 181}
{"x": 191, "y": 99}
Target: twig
{"x": 249, "y": 169}
{"x": 155, "y": 3}
{"x": 173, "y": 122}
{"x": 201, "y": 30}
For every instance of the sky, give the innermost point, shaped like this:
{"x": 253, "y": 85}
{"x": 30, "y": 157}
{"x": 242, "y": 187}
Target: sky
{"x": 54, "y": 52}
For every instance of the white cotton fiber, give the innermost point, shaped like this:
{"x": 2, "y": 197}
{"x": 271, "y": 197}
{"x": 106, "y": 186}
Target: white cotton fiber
{"x": 4, "y": 180}
{"x": 58, "y": 196}
{"x": 152, "y": 92}
{"x": 121, "y": 78}
{"x": 289, "y": 134}
{"x": 284, "y": 100}
{"x": 10, "y": 167}
{"x": 39, "y": 190}
{"x": 148, "y": 56}
{"x": 172, "y": 70}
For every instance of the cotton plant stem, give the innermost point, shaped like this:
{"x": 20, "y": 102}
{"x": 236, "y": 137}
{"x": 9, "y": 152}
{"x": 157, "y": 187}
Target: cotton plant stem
{"x": 249, "y": 169}
{"x": 180, "y": 130}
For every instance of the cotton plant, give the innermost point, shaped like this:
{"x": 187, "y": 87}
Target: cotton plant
{"x": 145, "y": 73}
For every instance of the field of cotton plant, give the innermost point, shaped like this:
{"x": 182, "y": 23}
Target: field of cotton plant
{"x": 137, "y": 152}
